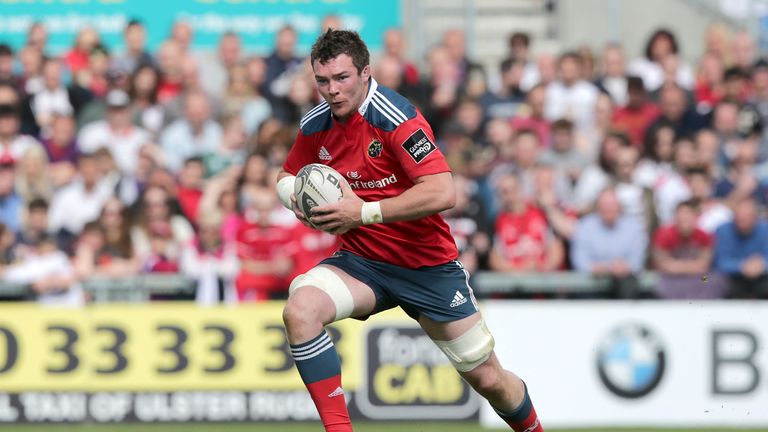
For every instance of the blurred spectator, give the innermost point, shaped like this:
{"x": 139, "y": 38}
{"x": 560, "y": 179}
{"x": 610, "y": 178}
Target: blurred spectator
{"x": 708, "y": 155}
{"x": 531, "y": 115}
{"x": 554, "y": 201}
{"x": 523, "y": 240}
{"x": 193, "y": 135}
{"x": 87, "y": 191}
{"x": 597, "y": 177}
{"x": 507, "y": 101}
{"x": 61, "y": 149}
{"x": 469, "y": 225}
{"x": 443, "y": 86}
{"x": 639, "y": 113}
{"x": 170, "y": 58}
{"x": 394, "y": 47}
{"x": 301, "y": 98}
{"x": 526, "y": 151}
{"x": 13, "y": 143}
{"x": 709, "y": 83}
{"x": 682, "y": 254}
{"x": 717, "y": 41}
{"x": 148, "y": 114}
{"x": 455, "y": 43}
{"x": 742, "y": 178}
{"x": 37, "y": 37}
{"x": 231, "y": 150}
{"x": 282, "y": 65}
{"x": 661, "y": 44}
{"x": 220, "y": 195}
{"x": 182, "y": 35}
{"x": 136, "y": 53}
{"x": 658, "y": 155}
{"x": 8, "y": 246}
{"x": 759, "y": 93}
{"x": 190, "y": 188}
{"x": 546, "y": 63}
{"x": 33, "y": 176}
{"x": 675, "y": 110}
{"x": 243, "y": 100}
{"x": 117, "y": 256}
{"x": 711, "y": 212}
{"x": 116, "y": 133}
{"x": 613, "y": 76}
{"x": 35, "y": 222}
{"x": 635, "y": 199}
{"x": 610, "y": 244}
{"x": 158, "y": 234}
{"x": 54, "y": 98}
{"x": 743, "y": 51}
{"x": 672, "y": 187}
{"x": 741, "y": 252}
{"x": 31, "y": 70}
{"x": 7, "y": 74}
{"x": 49, "y": 272}
{"x": 736, "y": 86}
{"x": 266, "y": 248}
{"x": 571, "y": 96}
{"x": 212, "y": 262}
{"x": 331, "y": 21}
{"x": 11, "y": 204}
{"x": 563, "y": 155}
{"x": 519, "y": 50}
{"x": 217, "y": 67}
{"x": 77, "y": 57}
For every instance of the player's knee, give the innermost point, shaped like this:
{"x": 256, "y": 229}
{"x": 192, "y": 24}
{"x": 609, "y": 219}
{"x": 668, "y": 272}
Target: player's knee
{"x": 327, "y": 282}
{"x": 485, "y": 380}
{"x": 297, "y": 312}
{"x": 471, "y": 349}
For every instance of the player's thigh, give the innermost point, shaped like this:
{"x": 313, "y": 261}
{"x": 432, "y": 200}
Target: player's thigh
{"x": 447, "y": 331}
{"x": 331, "y": 293}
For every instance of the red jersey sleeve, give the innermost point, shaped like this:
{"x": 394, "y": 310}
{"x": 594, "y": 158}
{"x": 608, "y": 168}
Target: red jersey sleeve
{"x": 302, "y": 153}
{"x": 414, "y": 144}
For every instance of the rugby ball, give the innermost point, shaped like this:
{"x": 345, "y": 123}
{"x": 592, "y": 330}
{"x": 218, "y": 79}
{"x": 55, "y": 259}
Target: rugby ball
{"x": 317, "y": 184}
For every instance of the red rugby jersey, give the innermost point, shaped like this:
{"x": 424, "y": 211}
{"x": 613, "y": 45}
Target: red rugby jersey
{"x": 380, "y": 150}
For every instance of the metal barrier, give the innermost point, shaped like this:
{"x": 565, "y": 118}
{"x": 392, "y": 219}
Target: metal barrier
{"x": 486, "y": 284}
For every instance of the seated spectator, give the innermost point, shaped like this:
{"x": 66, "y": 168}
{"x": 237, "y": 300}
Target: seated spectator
{"x": 87, "y": 190}
{"x": 53, "y": 98}
{"x": 266, "y": 248}
{"x": 743, "y": 178}
{"x": 13, "y": 143}
{"x": 634, "y": 118}
{"x": 507, "y": 101}
{"x": 661, "y": 45}
{"x": 243, "y": 100}
{"x": 741, "y": 252}
{"x": 159, "y": 233}
{"x": 610, "y": 244}
{"x": 35, "y": 222}
{"x": 192, "y": 135}
{"x": 563, "y": 155}
{"x": 682, "y": 254}
{"x": 675, "y": 109}
{"x": 598, "y": 176}
{"x": 523, "y": 240}
{"x": 672, "y": 188}
{"x": 657, "y": 155}
{"x": 190, "y": 188}
{"x": 613, "y": 77}
{"x": 9, "y": 252}
{"x": 33, "y": 179}
{"x": 232, "y": 150}
{"x": 712, "y": 212}
{"x": 554, "y": 202}
{"x": 469, "y": 224}
{"x": 105, "y": 247}
{"x": 143, "y": 86}
{"x": 76, "y": 59}
{"x": 212, "y": 262}
{"x": 220, "y": 195}
{"x": 11, "y": 204}
{"x": 531, "y": 115}
{"x": 48, "y": 271}
{"x": 571, "y": 96}
{"x": 116, "y": 133}
{"x": 61, "y": 149}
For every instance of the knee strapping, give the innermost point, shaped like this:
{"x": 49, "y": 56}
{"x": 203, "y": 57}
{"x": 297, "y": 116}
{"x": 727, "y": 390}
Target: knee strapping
{"x": 329, "y": 282}
{"x": 471, "y": 349}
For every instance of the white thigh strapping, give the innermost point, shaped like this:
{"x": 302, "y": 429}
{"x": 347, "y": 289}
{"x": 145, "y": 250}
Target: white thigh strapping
{"x": 329, "y": 282}
{"x": 471, "y": 349}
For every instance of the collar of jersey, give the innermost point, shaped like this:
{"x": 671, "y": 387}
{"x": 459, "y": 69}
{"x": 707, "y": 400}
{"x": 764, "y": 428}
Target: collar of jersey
{"x": 372, "y": 86}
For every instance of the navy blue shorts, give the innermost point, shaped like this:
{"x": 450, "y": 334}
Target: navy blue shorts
{"x": 440, "y": 292}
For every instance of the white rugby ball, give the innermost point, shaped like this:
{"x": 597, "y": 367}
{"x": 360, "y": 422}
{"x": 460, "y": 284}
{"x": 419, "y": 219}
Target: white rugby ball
{"x": 317, "y": 184}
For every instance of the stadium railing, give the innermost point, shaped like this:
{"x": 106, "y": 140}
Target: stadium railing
{"x": 486, "y": 284}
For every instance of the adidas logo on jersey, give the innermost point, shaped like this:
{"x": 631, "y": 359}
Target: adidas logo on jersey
{"x": 458, "y": 300}
{"x": 338, "y": 392}
{"x": 323, "y": 154}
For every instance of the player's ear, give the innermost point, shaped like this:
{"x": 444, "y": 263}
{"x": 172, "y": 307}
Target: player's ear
{"x": 366, "y": 72}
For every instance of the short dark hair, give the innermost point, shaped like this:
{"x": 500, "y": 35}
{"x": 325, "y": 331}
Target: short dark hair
{"x": 562, "y": 124}
{"x": 37, "y": 204}
{"x": 520, "y": 37}
{"x": 661, "y": 33}
{"x": 692, "y": 204}
{"x": 333, "y": 43}
{"x": 635, "y": 83}
{"x": 6, "y": 50}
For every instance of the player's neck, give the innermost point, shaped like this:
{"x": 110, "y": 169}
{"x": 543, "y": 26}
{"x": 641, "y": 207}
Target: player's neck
{"x": 347, "y": 117}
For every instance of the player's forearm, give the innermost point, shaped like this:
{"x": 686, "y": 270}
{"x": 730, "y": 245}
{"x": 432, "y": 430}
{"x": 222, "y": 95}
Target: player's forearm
{"x": 423, "y": 199}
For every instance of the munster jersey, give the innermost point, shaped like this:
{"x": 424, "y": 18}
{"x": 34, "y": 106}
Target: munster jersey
{"x": 380, "y": 150}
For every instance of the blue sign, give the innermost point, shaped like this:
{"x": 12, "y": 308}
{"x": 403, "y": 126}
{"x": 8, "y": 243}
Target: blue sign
{"x": 256, "y": 21}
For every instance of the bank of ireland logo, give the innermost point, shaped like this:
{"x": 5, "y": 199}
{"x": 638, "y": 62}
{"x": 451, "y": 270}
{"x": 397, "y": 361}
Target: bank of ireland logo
{"x": 374, "y": 148}
{"x": 631, "y": 361}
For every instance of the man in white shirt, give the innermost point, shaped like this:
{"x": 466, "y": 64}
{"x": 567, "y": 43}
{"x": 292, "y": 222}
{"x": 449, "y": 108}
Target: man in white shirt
{"x": 571, "y": 97}
{"x": 117, "y": 133}
{"x": 81, "y": 200}
{"x": 192, "y": 135}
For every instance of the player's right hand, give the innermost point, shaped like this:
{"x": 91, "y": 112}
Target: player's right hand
{"x": 299, "y": 215}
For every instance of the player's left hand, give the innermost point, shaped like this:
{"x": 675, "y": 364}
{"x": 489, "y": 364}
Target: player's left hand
{"x": 341, "y": 216}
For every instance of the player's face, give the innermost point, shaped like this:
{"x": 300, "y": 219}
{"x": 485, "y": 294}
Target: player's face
{"x": 341, "y": 85}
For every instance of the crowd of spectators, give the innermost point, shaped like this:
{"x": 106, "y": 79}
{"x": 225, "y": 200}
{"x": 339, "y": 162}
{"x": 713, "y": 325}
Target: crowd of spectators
{"x": 120, "y": 163}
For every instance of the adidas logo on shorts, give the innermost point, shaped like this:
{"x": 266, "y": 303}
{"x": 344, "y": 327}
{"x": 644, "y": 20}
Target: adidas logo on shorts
{"x": 458, "y": 300}
{"x": 337, "y": 392}
{"x": 323, "y": 154}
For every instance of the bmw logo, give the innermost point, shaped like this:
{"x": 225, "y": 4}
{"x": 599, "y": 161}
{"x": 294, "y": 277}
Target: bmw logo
{"x": 631, "y": 361}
